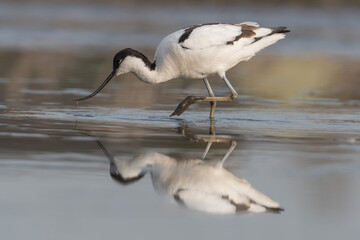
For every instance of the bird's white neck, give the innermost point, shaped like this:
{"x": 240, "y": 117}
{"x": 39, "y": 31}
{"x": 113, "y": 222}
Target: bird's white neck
{"x": 145, "y": 70}
{"x": 132, "y": 168}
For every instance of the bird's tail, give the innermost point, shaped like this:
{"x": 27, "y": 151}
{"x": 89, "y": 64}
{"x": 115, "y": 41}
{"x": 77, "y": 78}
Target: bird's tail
{"x": 262, "y": 199}
{"x": 280, "y": 29}
{"x": 275, "y": 35}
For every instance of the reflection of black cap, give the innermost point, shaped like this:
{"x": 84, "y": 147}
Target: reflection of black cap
{"x": 114, "y": 173}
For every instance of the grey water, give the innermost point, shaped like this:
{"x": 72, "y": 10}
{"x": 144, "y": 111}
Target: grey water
{"x": 296, "y": 124}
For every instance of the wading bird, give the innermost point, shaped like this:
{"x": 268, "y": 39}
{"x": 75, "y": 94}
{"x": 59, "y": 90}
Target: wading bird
{"x": 197, "y": 52}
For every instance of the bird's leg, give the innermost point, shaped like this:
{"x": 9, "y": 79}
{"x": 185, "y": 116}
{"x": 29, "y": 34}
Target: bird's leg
{"x": 192, "y": 99}
{"x": 185, "y": 104}
{"x": 211, "y": 132}
{"x": 211, "y": 94}
{"x": 212, "y": 128}
{"x": 232, "y": 98}
{"x": 234, "y": 94}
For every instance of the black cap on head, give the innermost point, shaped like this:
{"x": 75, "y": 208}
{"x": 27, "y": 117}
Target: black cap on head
{"x": 115, "y": 174}
{"x": 120, "y": 56}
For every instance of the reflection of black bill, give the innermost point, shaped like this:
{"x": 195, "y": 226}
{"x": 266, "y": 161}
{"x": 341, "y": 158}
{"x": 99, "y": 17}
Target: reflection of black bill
{"x": 107, "y": 80}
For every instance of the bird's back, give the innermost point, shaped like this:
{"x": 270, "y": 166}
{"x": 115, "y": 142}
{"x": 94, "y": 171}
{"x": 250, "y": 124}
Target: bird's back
{"x": 202, "y": 50}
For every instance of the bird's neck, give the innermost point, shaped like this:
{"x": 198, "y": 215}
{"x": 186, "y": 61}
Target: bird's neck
{"x": 151, "y": 159}
{"x": 148, "y": 72}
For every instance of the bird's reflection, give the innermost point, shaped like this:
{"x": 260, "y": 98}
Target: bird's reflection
{"x": 194, "y": 183}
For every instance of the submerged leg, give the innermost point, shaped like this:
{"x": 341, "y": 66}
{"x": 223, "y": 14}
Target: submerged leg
{"x": 212, "y": 133}
{"x": 211, "y": 94}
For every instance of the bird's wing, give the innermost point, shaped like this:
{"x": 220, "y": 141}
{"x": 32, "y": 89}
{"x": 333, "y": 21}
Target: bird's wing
{"x": 196, "y": 199}
{"x": 217, "y": 34}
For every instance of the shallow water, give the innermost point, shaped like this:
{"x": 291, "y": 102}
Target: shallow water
{"x": 55, "y": 179}
{"x": 296, "y": 126}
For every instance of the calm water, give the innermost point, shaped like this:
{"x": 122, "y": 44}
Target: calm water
{"x": 296, "y": 126}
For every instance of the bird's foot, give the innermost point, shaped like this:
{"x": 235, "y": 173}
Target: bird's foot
{"x": 234, "y": 96}
{"x": 219, "y": 99}
{"x": 185, "y": 104}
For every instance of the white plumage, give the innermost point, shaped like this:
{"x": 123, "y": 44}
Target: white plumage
{"x": 205, "y": 52}
{"x": 197, "y": 52}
